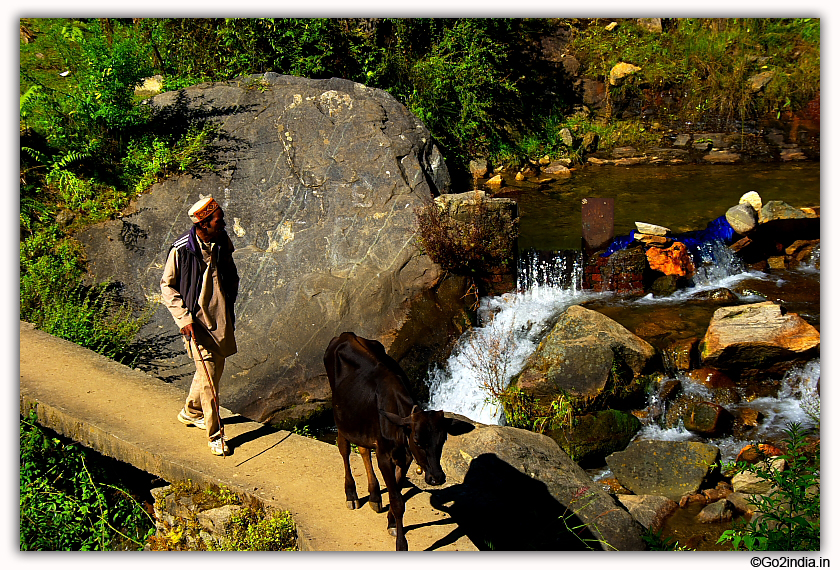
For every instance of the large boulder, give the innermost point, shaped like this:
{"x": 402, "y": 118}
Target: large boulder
{"x": 755, "y": 336}
{"x": 588, "y": 356}
{"x": 319, "y": 180}
{"x": 539, "y": 488}
{"x": 668, "y": 468}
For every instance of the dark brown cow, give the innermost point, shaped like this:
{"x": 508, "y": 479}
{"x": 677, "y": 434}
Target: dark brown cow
{"x": 374, "y": 410}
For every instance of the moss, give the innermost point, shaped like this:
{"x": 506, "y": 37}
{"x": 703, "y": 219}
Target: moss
{"x": 596, "y": 435}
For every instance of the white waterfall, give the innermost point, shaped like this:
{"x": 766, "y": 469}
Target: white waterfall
{"x": 512, "y": 325}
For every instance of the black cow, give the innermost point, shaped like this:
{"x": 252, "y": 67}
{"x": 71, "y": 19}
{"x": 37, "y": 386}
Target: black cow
{"x": 374, "y": 410}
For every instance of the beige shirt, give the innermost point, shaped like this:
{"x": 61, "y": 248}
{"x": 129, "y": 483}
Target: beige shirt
{"x": 212, "y": 314}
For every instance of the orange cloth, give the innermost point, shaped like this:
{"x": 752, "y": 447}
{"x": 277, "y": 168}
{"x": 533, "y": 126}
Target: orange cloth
{"x": 674, "y": 260}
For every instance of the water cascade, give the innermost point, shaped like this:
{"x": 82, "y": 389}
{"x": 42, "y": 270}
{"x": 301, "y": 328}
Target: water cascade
{"x": 510, "y": 329}
{"x": 512, "y": 325}
{"x": 557, "y": 269}
{"x": 797, "y": 401}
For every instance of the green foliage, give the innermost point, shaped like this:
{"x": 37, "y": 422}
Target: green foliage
{"x": 114, "y": 66}
{"x": 788, "y": 517}
{"x": 53, "y": 298}
{"x": 462, "y": 86}
{"x": 66, "y": 502}
{"x": 707, "y": 63}
{"x": 254, "y": 529}
{"x": 223, "y": 495}
{"x": 526, "y": 411}
{"x": 303, "y": 430}
{"x": 151, "y": 158}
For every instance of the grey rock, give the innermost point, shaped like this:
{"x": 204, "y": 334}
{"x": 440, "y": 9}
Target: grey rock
{"x": 682, "y": 139}
{"x": 596, "y": 435}
{"x": 490, "y": 461}
{"x": 741, "y": 502}
{"x": 717, "y": 512}
{"x": 557, "y": 169}
{"x": 215, "y": 520}
{"x": 578, "y": 355}
{"x": 651, "y": 511}
{"x": 566, "y": 136}
{"x": 759, "y": 81}
{"x": 742, "y": 218}
{"x": 778, "y": 210}
{"x": 756, "y": 335}
{"x": 319, "y": 180}
{"x": 668, "y": 468}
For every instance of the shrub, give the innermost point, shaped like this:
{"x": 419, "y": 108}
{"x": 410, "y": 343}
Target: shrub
{"x": 254, "y": 529}
{"x": 788, "y": 518}
{"x": 469, "y": 245}
{"x": 54, "y": 299}
{"x": 66, "y": 502}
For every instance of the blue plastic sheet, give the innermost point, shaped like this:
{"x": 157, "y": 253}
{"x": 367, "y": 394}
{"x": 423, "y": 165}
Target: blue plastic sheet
{"x": 717, "y": 230}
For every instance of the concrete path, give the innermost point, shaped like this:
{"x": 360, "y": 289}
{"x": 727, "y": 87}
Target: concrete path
{"x": 126, "y": 414}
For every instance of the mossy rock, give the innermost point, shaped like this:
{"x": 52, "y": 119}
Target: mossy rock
{"x": 597, "y": 435}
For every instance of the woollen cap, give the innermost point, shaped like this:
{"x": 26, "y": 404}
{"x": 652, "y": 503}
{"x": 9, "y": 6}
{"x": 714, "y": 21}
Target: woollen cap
{"x": 203, "y": 209}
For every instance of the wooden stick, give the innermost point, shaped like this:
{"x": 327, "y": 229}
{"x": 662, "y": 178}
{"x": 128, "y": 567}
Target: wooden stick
{"x": 215, "y": 397}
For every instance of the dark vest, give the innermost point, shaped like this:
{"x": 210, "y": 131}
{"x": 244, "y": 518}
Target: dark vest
{"x": 191, "y": 267}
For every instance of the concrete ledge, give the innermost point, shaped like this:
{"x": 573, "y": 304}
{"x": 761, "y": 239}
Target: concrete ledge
{"x": 130, "y": 416}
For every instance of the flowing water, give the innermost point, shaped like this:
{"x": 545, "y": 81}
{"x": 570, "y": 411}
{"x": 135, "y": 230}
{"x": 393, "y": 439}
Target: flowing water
{"x": 681, "y": 198}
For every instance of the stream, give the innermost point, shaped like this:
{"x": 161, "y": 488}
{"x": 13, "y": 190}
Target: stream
{"x": 682, "y": 198}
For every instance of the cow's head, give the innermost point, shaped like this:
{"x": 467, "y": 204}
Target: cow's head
{"x": 426, "y": 433}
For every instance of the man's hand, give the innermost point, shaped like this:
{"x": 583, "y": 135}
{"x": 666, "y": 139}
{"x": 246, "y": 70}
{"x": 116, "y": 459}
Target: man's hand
{"x": 188, "y": 332}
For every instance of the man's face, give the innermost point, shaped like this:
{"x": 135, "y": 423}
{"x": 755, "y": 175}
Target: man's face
{"x": 215, "y": 225}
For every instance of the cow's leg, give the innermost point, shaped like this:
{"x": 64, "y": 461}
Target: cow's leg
{"x": 375, "y": 499}
{"x": 396, "y": 508}
{"x": 401, "y": 470}
{"x": 349, "y": 482}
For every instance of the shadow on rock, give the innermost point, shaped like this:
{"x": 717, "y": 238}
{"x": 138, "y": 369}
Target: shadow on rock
{"x": 499, "y": 508}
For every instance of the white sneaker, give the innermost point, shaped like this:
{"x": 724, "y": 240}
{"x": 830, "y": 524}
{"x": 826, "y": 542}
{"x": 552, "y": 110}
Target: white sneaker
{"x": 218, "y": 447}
{"x": 188, "y": 421}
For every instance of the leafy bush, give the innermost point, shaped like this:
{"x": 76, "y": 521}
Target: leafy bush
{"x": 66, "y": 502}
{"x": 254, "y": 529}
{"x": 461, "y": 88}
{"x": 53, "y": 298}
{"x": 787, "y": 518}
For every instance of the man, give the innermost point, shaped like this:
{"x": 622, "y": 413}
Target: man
{"x": 199, "y": 287}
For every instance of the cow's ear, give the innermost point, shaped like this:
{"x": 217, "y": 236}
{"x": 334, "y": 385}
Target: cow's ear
{"x": 395, "y": 419}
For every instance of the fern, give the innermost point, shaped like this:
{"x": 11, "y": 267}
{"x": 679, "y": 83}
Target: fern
{"x": 28, "y": 100}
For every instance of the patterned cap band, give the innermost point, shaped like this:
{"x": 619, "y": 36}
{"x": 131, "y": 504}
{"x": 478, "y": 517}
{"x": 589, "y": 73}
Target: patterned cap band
{"x": 203, "y": 209}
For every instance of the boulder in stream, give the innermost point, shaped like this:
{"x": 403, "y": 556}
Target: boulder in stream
{"x": 588, "y": 356}
{"x": 668, "y": 468}
{"x": 756, "y": 335}
{"x": 540, "y": 491}
{"x": 651, "y": 511}
{"x": 596, "y": 435}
